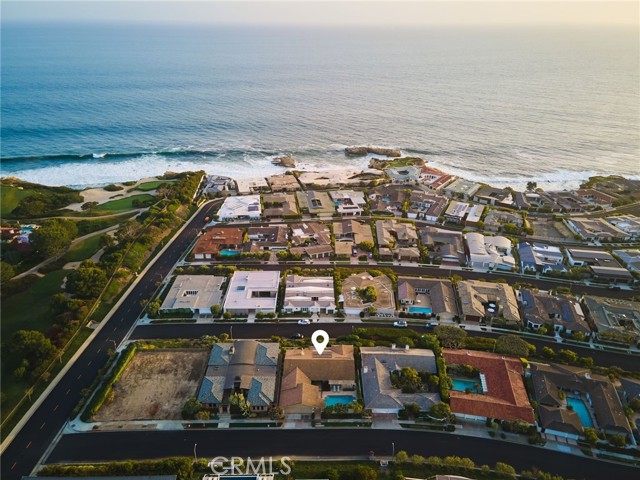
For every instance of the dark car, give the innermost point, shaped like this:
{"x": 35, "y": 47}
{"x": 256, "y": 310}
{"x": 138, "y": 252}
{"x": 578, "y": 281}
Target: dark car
{"x": 297, "y": 336}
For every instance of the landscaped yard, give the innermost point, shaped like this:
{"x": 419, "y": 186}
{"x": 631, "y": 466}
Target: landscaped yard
{"x": 10, "y": 197}
{"x": 123, "y": 203}
{"x": 83, "y": 250}
{"x": 155, "y": 385}
{"x": 30, "y": 309}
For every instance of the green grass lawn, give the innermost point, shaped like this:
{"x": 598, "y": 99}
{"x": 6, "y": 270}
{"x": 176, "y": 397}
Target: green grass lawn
{"x": 89, "y": 226}
{"x": 146, "y": 186}
{"x": 123, "y": 203}
{"x": 10, "y": 197}
{"x": 30, "y": 309}
{"x": 83, "y": 250}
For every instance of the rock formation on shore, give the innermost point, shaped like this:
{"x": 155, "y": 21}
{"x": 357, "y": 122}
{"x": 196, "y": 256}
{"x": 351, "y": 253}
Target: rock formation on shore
{"x": 286, "y": 161}
{"x": 362, "y": 151}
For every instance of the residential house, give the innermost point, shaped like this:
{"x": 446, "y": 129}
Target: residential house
{"x": 352, "y": 300}
{"x": 389, "y": 198}
{"x": 279, "y": 205}
{"x": 455, "y": 212}
{"x": 348, "y": 202}
{"x": 408, "y": 174}
{"x": 246, "y": 367}
{"x": 616, "y": 320}
{"x": 614, "y": 275}
{"x": 488, "y": 195}
{"x": 461, "y": 188}
{"x": 317, "y": 204}
{"x": 580, "y": 257}
{"x": 496, "y": 219}
{"x": 595, "y": 229}
{"x": 252, "y": 185}
{"x": 193, "y": 293}
{"x": 484, "y": 300}
{"x": 474, "y": 216}
{"x": 309, "y": 294}
{"x": 564, "y": 313}
{"x": 596, "y": 198}
{"x": 310, "y": 378}
{"x": 349, "y": 234}
{"x": 489, "y": 252}
{"x": 396, "y": 233}
{"x": 252, "y": 292}
{"x": 631, "y": 259}
{"x": 379, "y": 363}
{"x": 630, "y": 224}
{"x": 540, "y": 257}
{"x": 445, "y": 246}
{"x": 272, "y": 237}
{"x": 429, "y": 296}
{"x": 563, "y": 393}
{"x": 426, "y": 206}
{"x": 213, "y": 241}
{"x": 503, "y": 397}
{"x": 283, "y": 183}
{"x": 310, "y": 233}
{"x": 216, "y": 184}
{"x": 433, "y": 178}
{"x": 246, "y": 207}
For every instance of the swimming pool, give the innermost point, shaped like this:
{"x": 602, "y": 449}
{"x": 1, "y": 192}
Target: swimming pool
{"x": 332, "y": 400}
{"x": 425, "y": 310}
{"x": 580, "y": 408}
{"x": 229, "y": 253}
{"x": 461, "y": 385}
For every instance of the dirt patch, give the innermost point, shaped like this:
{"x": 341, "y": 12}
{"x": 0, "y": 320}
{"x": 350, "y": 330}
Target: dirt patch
{"x": 155, "y": 385}
{"x": 550, "y": 229}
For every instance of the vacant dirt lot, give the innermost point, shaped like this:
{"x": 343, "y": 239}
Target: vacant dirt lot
{"x": 550, "y": 229}
{"x": 155, "y": 385}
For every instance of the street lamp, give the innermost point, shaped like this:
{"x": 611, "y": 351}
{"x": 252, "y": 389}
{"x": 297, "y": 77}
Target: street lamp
{"x": 195, "y": 453}
{"x": 231, "y": 332}
{"x": 393, "y": 449}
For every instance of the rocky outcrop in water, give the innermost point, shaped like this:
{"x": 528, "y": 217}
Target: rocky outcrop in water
{"x": 286, "y": 161}
{"x": 362, "y": 151}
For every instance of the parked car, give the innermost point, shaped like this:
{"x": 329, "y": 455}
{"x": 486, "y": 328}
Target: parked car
{"x": 304, "y": 321}
{"x": 297, "y": 336}
{"x": 431, "y": 324}
{"x": 400, "y": 324}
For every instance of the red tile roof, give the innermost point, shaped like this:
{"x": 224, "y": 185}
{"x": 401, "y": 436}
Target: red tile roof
{"x": 506, "y": 398}
{"x": 211, "y": 241}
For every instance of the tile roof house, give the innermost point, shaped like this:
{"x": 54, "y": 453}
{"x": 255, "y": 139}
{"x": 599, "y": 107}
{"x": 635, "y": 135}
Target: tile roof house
{"x": 272, "y": 237}
{"x": 627, "y": 223}
{"x": 564, "y": 313}
{"x": 252, "y": 292}
{"x": 426, "y": 206}
{"x": 354, "y": 304}
{"x": 315, "y": 203}
{"x": 616, "y": 320}
{"x": 279, "y": 205}
{"x": 603, "y": 409}
{"x": 488, "y": 300}
{"x": 377, "y": 365}
{"x": 244, "y": 366}
{"x": 444, "y": 245}
{"x": 388, "y": 198}
{"x": 400, "y": 234}
{"x": 595, "y": 229}
{"x": 495, "y": 219}
{"x": 309, "y": 294}
{"x": 350, "y": 233}
{"x": 488, "y": 195}
{"x": 308, "y": 378}
{"x": 348, "y": 202}
{"x": 196, "y": 293}
{"x": 631, "y": 259}
{"x": 428, "y": 295}
{"x": 310, "y": 233}
{"x": 283, "y": 183}
{"x": 246, "y": 207}
{"x": 407, "y": 174}
{"x": 210, "y": 243}
{"x": 504, "y": 395}
{"x": 578, "y": 257}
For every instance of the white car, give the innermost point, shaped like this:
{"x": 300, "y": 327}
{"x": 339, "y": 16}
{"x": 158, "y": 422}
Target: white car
{"x": 400, "y": 324}
{"x": 304, "y": 321}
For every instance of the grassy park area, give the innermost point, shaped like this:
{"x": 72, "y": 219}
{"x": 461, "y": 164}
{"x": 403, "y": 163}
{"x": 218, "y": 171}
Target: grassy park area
{"x": 10, "y": 197}
{"x": 122, "y": 204}
{"x": 148, "y": 186}
{"x": 83, "y": 250}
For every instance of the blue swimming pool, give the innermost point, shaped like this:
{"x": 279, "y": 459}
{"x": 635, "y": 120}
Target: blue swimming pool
{"x": 229, "y": 253}
{"x": 580, "y": 408}
{"x": 425, "y": 310}
{"x": 461, "y": 385}
{"x": 332, "y": 400}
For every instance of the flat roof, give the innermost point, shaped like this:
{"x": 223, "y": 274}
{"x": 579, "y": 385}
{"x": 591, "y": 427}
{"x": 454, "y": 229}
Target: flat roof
{"x": 194, "y": 292}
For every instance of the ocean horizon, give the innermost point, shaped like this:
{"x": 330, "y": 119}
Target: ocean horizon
{"x": 87, "y": 105}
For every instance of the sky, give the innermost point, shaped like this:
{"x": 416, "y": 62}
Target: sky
{"x": 308, "y": 12}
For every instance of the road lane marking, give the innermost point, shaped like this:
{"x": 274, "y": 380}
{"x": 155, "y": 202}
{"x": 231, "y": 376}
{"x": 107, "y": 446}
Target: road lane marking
{"x": 14, "y": 465}
{"x": 28, "y": 445}
{"x": 89, "y": 362}
{"x": 79, "y": 376}
{"x": 99, "y": 350}
{"x": 43, "y": 424}
{"x": 68, "y": 392}
{"x": 56, "y": 407}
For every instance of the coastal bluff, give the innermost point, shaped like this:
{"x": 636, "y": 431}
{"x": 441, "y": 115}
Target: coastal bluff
{"x": 362, "y": 151}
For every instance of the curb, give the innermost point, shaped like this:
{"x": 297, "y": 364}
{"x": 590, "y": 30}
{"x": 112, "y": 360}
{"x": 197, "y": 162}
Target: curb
{"x": 25, "y": 418}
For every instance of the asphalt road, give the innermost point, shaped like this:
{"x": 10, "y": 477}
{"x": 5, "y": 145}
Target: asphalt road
{"x": 22, "y": 455}
{"x": 99, "y": 446}
{"x": 267, "y": 330}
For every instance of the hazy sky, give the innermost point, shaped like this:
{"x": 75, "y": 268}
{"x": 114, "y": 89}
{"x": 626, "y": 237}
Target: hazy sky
{"x": 307, "y": 12}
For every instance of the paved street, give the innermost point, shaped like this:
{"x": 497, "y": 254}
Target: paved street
{"x": 104, "y": 446}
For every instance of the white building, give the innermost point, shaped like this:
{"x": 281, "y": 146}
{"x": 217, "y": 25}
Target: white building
{"x": 489, "y": 252}
{"x": 246, "y": 207}
{"x": 309, "y": 294}
{"x": 252, "y": 292}
{"x": 348, "y": 202}
{"x": 196, "y": 293}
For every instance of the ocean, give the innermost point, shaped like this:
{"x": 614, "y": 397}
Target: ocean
{"x": 93, "y": 104}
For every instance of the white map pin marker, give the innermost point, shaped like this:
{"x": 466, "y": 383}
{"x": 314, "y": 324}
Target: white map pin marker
{"x": 320, "y": 345}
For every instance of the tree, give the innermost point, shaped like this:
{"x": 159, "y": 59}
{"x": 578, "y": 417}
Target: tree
{"x": 203, "y": 415}
{"x": 7, "y": 272}
{"x": 239, "y": 404}
{"x": 87, "y": 281}
{"x": 531, "y": 186}
{"x": 191, "y": 408}
{"x": 54, "y": 237}
{"x": 362, "y": 472}
{"x": 367, "y": 294}
{"x": 505, "y": 470}
{"x": 417, "y": 459}
{"x": 333, "y": 474}
{"x": 411, "y": 410}
{"x": 402, "y": 457}
{"x": 33, "y": 350}
{"x": 153, "y": 308}
{"x": 367, "y": 246}
{"x": 591, "y": 435}
{"x": 618, "y": 440}
{"x": 568, "y": 356}
{"x": 512, "y": 345}
{"x": 450, "y": 337}
{"x": 440, "y": 410}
